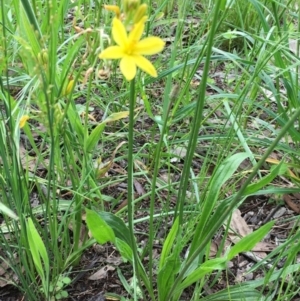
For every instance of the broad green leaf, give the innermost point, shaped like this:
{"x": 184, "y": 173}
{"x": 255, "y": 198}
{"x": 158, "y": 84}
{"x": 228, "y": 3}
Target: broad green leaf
{"x": 223, "y": 4}
{"x": 125, "y": 284}
{"x": 247, "y": 243}
{"x": 124, "y": 249}
{"x": 34, "y": 251}
{"x": 28, "y": 34}
{"x": 168, "y": 243}
{"x": 120, "y": 229}
{"x": 37, "y": 249}
{"x": 265, "y": 180}
{"x": 166, "y": 275}
{"x": 31, "y": 16}
{"x": 222, "y": 174}
{"x": 100, "y": 230}
{"x": 95, "y": 135}
{"x": 205, "y": 268}
{"x": 235, "y": 293}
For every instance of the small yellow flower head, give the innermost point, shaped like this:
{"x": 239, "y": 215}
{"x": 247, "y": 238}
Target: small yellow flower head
{"x": 131, "y": 49}
{"x": 115, "y": 9}
{"x": 23, "y": 121}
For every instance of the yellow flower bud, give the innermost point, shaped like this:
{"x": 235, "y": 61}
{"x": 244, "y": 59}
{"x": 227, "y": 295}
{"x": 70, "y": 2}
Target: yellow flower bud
{"x": 42, "y": 58}
{"x": 69, "y": 87}
{"x": 114, "y": 8}
{"x": 140, "y": 13}
{"x": 39, "y": 58}
{"x": 23, "y": 121}
{"x": 45, "y": 57}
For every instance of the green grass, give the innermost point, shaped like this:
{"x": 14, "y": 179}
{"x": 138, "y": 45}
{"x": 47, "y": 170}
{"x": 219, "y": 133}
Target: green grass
{"x": 227, "y": 91}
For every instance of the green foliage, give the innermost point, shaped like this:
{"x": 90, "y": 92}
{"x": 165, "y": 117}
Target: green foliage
{"x": 58, "y": 291}
{"x": 168, "y": 244}
{"x": 95, "y": 135}
{"x": 39, "y": 254}
{"x": 100, "y": 230}
{"x": 248, "y": 242}
{"x": 120, "y": 229}
{"x": 227, "y": 94}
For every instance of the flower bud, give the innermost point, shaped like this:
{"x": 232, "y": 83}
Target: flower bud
{"x": 114, "y": 8}
{"x": 45, "y": 57}
{"x": 23, "y": 121}
{"x": 69, "y": 87}
{"x": 140, "y": 13}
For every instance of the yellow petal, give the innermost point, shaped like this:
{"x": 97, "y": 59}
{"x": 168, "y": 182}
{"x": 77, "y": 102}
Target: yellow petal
{"x": 149, "y": 46}
{"x": 119, "y": 32}
{"x": 137, "y": 31}
{"x": 112, "y": 52}
{"x": 128, "y": 67}
{"x": 145, "y": 65}
{"x": 23, "y": 121}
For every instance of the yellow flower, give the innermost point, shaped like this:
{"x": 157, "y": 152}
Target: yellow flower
{"x": 131, "y": 49}
{"x": 23, "y": 121}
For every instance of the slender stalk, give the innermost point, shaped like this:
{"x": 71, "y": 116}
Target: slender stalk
{"x": 153, "y": 194}
{"x": 197, "y": 120}
{"x": 130, "y": 197}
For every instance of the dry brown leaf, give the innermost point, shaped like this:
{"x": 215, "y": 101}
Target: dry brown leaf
{"x": 238, "y": 227}
{"x": 102, "y": 273}
{"x": 31, "y": 163}
{"x": 264, "y": 247}
{"x": 179, "y": 152}
{"x": 139, "y": 165}
{"x": 103, "y": 168}
{"x": 139, "y": 188}
{"x": 213, "y": 249}
{"x": 293, "y": 202}
{"x": 215, "y": 246}
{"x": 293, "y": 45}
{"x": 7, "y": 276}
{"x": 114, "y": 260}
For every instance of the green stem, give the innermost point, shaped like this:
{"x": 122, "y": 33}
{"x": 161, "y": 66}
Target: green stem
{"x": 153, "y": 193}
{"x": 130, "y": 190}
{"x": 197, "y": 120}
